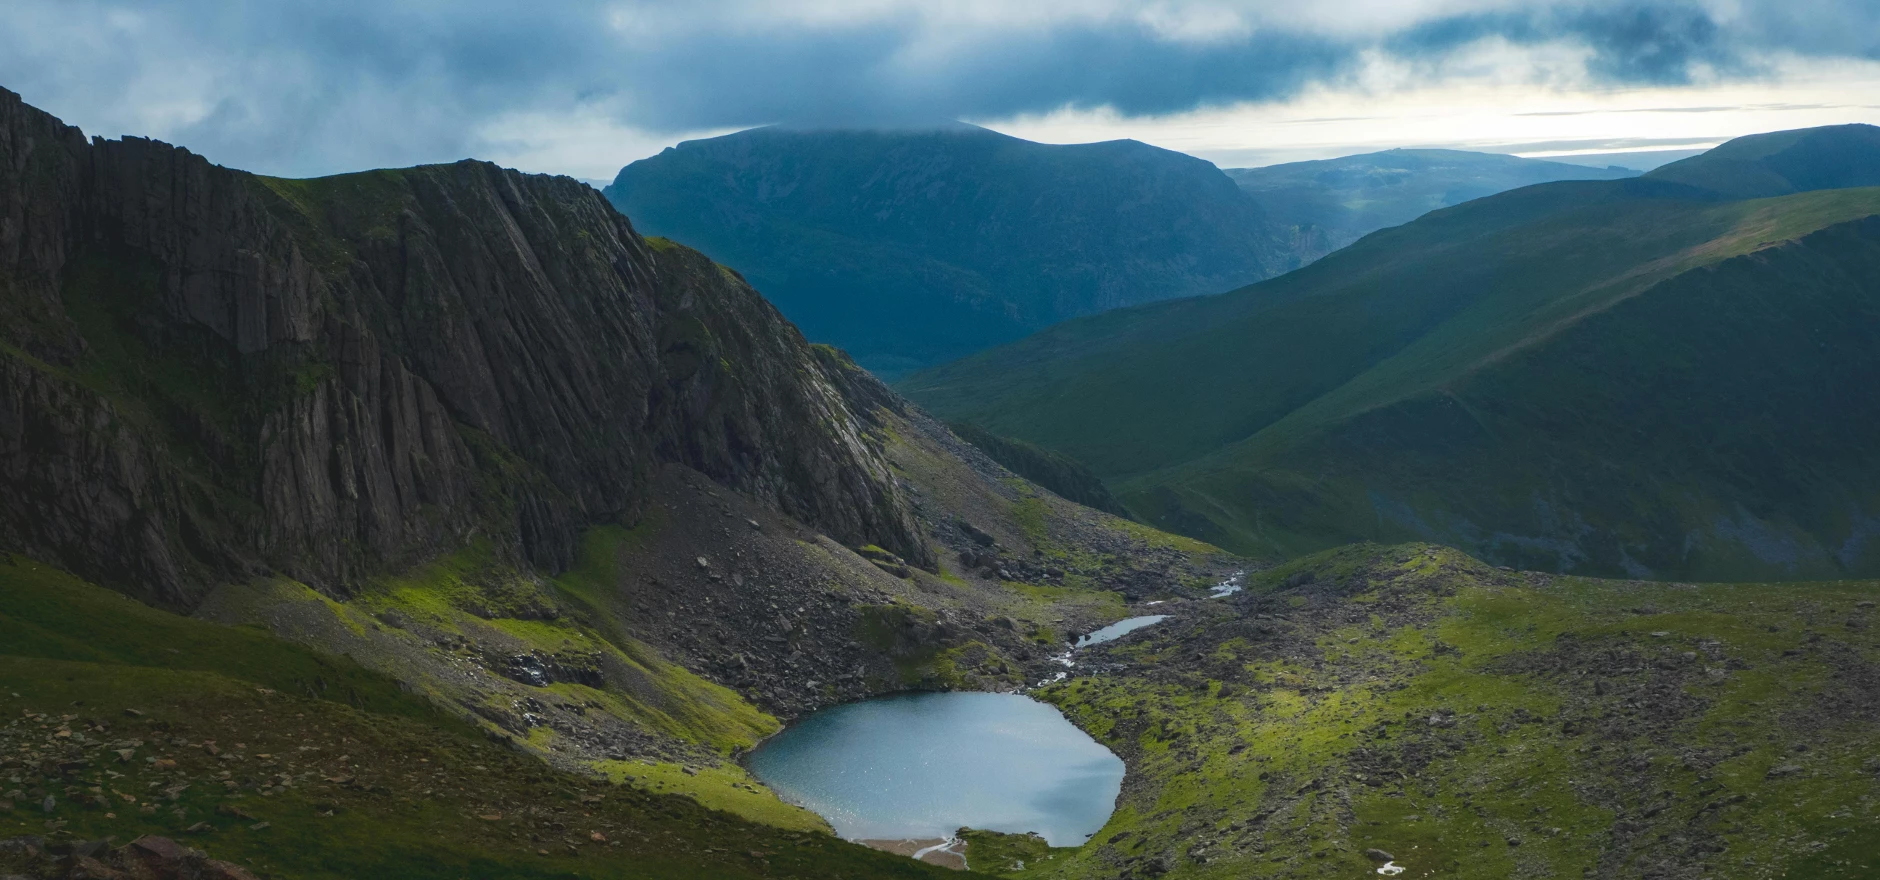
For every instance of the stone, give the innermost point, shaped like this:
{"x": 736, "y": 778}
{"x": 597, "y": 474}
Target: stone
{"x": 162, "y": 850}
{"x": 88, "y": 868}
{"x": 216, "y": 869}
{"x": 1378, "y": 855}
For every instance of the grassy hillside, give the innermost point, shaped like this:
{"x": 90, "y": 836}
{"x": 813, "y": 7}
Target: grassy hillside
{"x": 912, "y": 246}
{"x": 1604, "y": 377}
{"x": 1346, "y": 198}
{"x": 1052, "y": 470}
{"x": 1782, "y": 162}
{"x": 126, "y": 720}
{"x": 1467, "y": 722}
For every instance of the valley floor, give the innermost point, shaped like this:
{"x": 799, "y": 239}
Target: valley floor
{"x": 1412, "y": 704}
{"x": 468, "y": 718}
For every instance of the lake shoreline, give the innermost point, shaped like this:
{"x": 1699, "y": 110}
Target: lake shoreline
{"x": 947, "y": 852}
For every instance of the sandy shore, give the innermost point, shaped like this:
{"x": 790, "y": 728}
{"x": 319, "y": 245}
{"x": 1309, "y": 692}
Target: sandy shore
{"x": 947, "y": 852}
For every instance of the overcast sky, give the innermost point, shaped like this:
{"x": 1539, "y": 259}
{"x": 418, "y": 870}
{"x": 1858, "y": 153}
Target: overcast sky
{"x": 581, "y": 87}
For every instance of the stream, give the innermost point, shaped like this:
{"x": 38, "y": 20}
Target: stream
{"x": 910, "y": 770}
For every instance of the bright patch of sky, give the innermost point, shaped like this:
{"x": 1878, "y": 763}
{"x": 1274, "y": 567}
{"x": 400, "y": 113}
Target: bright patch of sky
{"x": 1586, "y": 123}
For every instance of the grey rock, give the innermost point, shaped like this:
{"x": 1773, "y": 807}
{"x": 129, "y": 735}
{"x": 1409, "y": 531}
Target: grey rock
{"x": 514, "y": 360}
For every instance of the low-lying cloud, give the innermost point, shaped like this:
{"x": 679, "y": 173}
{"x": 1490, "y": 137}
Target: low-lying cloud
{"x": 300, "y": 87}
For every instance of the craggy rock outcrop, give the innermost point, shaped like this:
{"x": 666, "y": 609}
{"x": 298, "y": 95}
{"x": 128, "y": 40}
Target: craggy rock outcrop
{"x": 207, "y": 375}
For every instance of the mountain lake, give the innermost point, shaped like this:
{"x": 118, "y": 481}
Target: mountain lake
{"x": 921, "y": 766}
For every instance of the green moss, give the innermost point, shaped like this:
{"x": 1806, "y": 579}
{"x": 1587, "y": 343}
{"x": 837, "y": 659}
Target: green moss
{"x": 595, "y": 577}
{"x": 473, "y": 580}
{"x": 900, "y": 632}
{"x": 991, "y": 852}
{"x": 1292, "y": 762}
{"x": 1031, "y": 513}
{"x": 725, "y": 787}
{"x": 46, "y": 613}
{"x": 476, "y": 594}
{"x": 377, "y": 782}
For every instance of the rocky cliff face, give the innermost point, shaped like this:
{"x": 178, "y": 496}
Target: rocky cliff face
{"x": 207, "y": 375}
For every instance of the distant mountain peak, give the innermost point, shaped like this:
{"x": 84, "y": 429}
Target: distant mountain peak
{"x": 910, "y": 244}
{"x": 935, "y": 124}
{"x": 1348, "y": 197}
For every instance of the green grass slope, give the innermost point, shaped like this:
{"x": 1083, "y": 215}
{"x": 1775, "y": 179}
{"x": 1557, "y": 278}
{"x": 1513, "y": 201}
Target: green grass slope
{"x": 1470, "y": 722}
{"x": 1783, "y": 162}
{"x": 1708, "y": 428}
{"x": 1052, "y": 470}
{"x": 121, "y": 720}
{"x": 1629, "y": 377}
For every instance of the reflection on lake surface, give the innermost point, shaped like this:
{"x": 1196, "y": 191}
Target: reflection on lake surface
{"x": 924, "y": 765}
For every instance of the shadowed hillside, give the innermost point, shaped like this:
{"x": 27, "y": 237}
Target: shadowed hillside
{"x": 1637, "y": 376}
{"x": 1346, "y": 198}
{"x": 912, "y": 246}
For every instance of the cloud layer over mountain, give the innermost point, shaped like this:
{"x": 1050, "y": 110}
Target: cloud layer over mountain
{"x": 299, "y": 87}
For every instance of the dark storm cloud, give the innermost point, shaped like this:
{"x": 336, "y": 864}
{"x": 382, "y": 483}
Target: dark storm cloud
{"x": 862, "y": 75}
{"x": 297, "y": 86}
{"x": 1633, "y": 43}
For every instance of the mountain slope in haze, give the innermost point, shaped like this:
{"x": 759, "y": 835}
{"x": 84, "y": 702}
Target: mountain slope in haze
{"x": 913, "y": 246}
{"x": 484, "y": 484}
{"x": 1783, "y": 162}
{"x": 1351, "y": 196}
{"x": 1630, "y": 377}
{"x": 1052, "y": 470}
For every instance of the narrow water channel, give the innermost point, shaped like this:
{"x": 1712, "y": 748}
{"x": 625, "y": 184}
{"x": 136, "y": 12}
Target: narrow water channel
{"x": 1119, "y": 629}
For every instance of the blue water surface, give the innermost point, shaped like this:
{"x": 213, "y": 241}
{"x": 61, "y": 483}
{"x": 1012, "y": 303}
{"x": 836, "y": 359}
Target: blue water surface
{"x": 924, "y": 765}
{"x": 1119, "y": 629}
